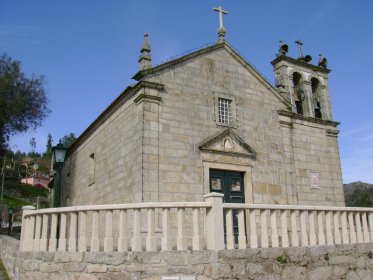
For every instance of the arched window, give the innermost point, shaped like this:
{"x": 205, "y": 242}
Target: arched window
{"x": 315, "y": 85}
{"x": 298, "y": 92}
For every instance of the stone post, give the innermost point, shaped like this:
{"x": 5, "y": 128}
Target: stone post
{"x": 215, "y": 221}
{"x": 27, "y": 230}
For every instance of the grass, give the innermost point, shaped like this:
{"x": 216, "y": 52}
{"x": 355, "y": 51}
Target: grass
{"x": 24, "y": 190}
{"x": 14, "y": 202}
{"x": 3, "y": 271}
{"x": 17, "y": 194}
{"x": 282, "y": 259}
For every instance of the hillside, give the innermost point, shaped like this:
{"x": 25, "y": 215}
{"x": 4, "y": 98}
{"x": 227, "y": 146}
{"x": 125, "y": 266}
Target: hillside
{"x": 358, "y": 194}
{"x": 17, "y": 194}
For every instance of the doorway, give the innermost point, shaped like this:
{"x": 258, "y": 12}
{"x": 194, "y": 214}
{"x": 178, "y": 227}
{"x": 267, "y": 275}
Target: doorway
{"x": 230, "y": 184}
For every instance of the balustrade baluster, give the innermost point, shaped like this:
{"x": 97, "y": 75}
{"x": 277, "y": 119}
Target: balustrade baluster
{"x": 294, "y": 228}
{"x": 345, "y": 236}
{"x": 284, "y": 229}
{"x": 303, "y": 228}
{"x": 108, "y": 240}
{"x": 166, "y": 244}
{"x": 72, "y": 234}
{"x": 264, "y": 229}
{"x": 359, "y": 233}
{"x": 229, "y": 229}
{"x": 136, "y": 238}
{"x": 241, "y": 229}
{"x": 365, "y": 227}
{"x": 36, "y": 241}
{"x": 253, "y": 235}
{"x": 329, "y": 233}
{"x": 62, "y": 238}
{"x": 53, "y": 236}
{"x": 337, "y": 234}
{"x": 370, "y": 217}
{"x": 181, "y": 240}
{"x": 320, "y": 223}
{"x": 151, "y": 244}
{"x": 351, "y": 225}
{"x": 82, "y": 243}
{"x": 311, "y": 220}
{"x": 95, "y": 241}
{"x": 197, "y": 238}
{"x": 122, "y": 239}
{"x": 274, "y": 234}
{"x": 44, "y": 234}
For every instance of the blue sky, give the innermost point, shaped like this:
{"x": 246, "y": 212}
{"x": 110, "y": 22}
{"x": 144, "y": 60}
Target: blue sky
{"x": 88, "y": 50}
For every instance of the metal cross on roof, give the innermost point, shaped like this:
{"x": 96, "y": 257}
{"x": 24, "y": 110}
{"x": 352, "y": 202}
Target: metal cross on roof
{"x": 299, "y": 43}
{"x": 221, "y": 29}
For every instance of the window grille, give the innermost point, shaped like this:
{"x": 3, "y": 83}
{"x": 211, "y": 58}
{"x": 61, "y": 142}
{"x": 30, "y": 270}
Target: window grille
{"x": 224, "y": 111}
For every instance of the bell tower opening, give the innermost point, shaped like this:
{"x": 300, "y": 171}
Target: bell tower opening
{"x": 298, "y": 92}
{"x": 315, "y": 85}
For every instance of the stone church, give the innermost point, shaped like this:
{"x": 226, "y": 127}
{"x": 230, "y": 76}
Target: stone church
{"x": 208, "y": 121}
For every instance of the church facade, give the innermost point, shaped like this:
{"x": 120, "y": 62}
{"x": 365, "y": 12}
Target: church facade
{"x": 208, "y": 121}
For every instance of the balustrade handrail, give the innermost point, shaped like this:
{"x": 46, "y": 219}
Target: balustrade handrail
{"x": 294, "y": 207}
{"x": 103, "y": 207}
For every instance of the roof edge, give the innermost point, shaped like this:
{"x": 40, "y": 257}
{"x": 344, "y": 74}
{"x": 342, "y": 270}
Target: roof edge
{"x": 300, "y": 63}
{"x": 142, "y": 73}
{"x": 109, "y": 110}
{"x": 223, "y": 44}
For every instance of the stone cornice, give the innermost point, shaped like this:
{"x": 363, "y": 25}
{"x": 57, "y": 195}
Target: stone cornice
{"x": 248, "y": 151}
{"x": 300, "y": 63}
{"x": 293, "y": 115}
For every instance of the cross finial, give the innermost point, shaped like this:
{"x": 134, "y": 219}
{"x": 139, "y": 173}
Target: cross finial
{"x": 221, "y": 29}
{"x": 299, "y": 43}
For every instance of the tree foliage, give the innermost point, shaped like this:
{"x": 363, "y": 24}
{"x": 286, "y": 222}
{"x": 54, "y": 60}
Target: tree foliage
{"x": 359, "y": 198}
{"x": 23, "y": 101}
{"x": 68, "y": 140}
{"x": 49, "y": 143}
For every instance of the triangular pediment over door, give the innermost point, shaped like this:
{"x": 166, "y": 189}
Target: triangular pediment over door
{"x": 228, "y": 151}
{"x": 228, "y": 142}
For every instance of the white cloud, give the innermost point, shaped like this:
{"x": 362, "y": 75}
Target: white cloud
{"x": 18, "y": 34}
{"x": 319, "y": 16}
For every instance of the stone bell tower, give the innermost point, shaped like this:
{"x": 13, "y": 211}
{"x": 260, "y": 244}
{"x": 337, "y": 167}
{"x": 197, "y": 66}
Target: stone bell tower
{"x": 304, "y": 84}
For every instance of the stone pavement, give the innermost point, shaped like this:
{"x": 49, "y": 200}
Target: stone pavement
{"x": 3, "y": 274}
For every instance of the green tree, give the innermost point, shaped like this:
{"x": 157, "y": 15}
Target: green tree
{"x": 33, "y": 144}
{"x": 359, "y": 198}
{"x": 48, "y": 150}
{"x": 23, "y": 101}
{"x": 68, "y": 140}
{"x": 49, "y": 143}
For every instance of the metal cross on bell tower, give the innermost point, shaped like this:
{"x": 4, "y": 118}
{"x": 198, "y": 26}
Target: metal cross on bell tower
{"x": 299, "y": 43}
{"x": 221, "y": 29}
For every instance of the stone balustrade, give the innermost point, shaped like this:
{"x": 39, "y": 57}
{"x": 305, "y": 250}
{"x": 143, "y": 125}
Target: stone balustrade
{"x": 211, "y": 225}
{"x": 267, "y": 225}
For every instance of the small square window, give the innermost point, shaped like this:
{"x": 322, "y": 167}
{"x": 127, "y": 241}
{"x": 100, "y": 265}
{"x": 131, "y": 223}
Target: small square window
{"x": 92, "y": 169}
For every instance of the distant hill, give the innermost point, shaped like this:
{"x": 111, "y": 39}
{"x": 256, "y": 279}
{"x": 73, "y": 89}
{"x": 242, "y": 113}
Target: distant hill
{"x": 358, "y": 194}
{"x": 349, "y": 188}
